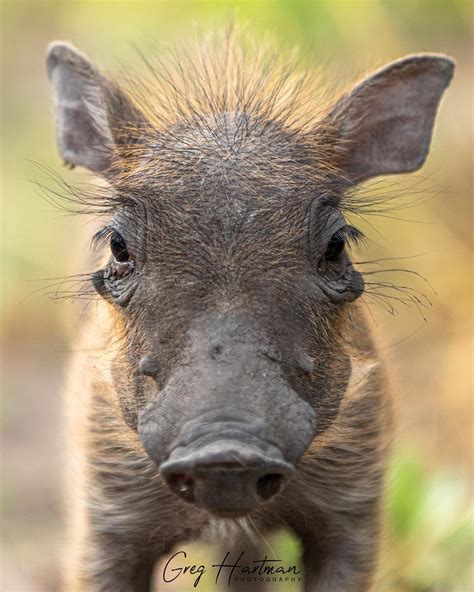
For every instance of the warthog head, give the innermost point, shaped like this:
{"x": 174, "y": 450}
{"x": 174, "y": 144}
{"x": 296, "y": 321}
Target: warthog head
{"x": 227, "y": 268}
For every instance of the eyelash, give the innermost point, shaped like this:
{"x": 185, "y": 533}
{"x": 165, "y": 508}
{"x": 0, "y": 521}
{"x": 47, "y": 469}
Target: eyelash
{"x": 338, "y": 244}
{"x": 351, "y": 235}
{"x": 102, "y": 237}
{"x": 109, "y": 234}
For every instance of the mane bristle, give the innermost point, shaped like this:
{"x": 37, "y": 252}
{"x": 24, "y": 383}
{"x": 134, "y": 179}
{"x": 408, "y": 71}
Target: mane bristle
{"x": 227, "y": 73}
{"x": 221, "y": 100}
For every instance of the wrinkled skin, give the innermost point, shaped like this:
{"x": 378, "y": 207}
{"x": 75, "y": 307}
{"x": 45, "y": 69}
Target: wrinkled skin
{"x": 235, "y": 382}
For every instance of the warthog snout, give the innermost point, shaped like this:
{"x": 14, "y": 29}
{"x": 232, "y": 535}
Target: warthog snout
{"x": 226, "y": 475}
{"x": 222, "y": 430}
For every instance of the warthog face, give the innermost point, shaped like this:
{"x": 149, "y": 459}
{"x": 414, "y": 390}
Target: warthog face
{"x": 228, "y": 267}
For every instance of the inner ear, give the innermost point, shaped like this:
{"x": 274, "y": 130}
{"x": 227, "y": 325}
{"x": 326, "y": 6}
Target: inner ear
{"x": 95, "y": 120}
{"x": 384, "y": 126}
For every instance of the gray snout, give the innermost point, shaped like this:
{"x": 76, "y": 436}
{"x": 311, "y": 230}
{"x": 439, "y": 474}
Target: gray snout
{"x": 226, "y": 476}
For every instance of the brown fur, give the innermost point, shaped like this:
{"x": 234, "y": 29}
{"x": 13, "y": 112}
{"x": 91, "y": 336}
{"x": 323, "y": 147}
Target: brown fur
{"x": 220, "y": 154}
{"x": 120, "y": 509}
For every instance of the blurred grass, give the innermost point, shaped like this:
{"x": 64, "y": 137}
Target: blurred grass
{"x": 429, "y": 530}
{"x": 429, "y": 521}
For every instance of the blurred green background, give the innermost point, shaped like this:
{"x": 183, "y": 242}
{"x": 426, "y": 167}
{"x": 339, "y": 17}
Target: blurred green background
{"x": 429, "y": 521}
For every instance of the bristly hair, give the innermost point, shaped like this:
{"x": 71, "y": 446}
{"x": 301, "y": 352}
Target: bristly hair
{"x": 221, "y": 107}
{"x": 224, "y": 106}
{"x": 203, "y": 81}
{"x": 218, "y": 107}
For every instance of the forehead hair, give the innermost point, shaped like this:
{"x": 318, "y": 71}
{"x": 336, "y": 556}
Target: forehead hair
{"x": 226, "y": 117}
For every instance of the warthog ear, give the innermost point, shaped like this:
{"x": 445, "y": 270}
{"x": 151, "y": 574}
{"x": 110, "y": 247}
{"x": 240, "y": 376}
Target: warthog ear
{"x": 91, "y": 113}
{"x": 384, "y": 125}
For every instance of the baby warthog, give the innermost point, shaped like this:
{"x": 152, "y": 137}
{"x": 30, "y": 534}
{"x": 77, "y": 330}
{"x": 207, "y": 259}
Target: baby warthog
{"x": 226, "y": 384}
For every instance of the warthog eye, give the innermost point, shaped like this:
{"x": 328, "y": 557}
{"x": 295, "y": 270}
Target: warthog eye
{"x": 335, "y": 247}
{"x": 338, "y": 241}
{"x": 119, "y": 247}
{"x": 117, "y": 281}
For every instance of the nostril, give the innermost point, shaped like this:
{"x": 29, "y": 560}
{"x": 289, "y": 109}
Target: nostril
{"x": 182, "y": 485}
{"x": 269, "y": 485}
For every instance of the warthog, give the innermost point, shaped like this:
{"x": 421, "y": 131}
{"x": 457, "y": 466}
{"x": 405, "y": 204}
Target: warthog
{"x": 229, "y": 384}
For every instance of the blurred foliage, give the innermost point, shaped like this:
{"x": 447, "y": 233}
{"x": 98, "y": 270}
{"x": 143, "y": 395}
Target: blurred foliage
{"x": 429, "y": 529}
